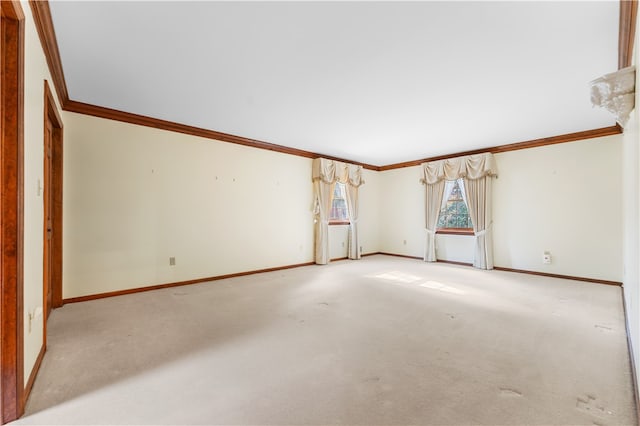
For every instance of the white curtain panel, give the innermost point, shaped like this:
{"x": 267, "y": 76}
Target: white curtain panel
{"x": 476, "y": 172}
{"x": 478, "y": 198}
{"x": 352, "y": 206}
{"x": 463, "y": 191}
{"x": 325, "y": 174}
{"x": 324, "y": 195}
{"x": 448, "y": 189}
{"x": 353, "y": 184}
{"x": 432, "y": 210}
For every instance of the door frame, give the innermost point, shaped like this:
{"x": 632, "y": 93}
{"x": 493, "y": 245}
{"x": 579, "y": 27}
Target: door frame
{"x": 52, "y": 115}
{"x": 11, "y": 211}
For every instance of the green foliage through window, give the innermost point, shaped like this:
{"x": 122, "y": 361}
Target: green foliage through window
{"x": 455, "y": 214}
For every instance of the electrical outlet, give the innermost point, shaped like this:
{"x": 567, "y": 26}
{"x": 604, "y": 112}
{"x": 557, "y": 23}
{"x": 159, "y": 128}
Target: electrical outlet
{"x": 172, "y": 261}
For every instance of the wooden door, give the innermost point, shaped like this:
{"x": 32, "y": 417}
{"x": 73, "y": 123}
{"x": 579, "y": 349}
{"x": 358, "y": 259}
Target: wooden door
{"x": 52, "y": 209}
{"x": 48, "y": 219}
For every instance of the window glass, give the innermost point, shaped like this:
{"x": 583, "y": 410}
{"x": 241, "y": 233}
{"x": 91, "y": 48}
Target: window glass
{"x": 339, "y": 211}
{"x": 454, "y": 213}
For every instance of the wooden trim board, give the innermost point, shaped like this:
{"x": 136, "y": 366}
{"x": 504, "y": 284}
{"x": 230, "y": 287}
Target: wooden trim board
{"x": 520, "y": 271}
{"x": 11, "y": 211}
{"x": 32, "y": 376}
{"x": 542, "y": 274}
{"x": 400, "y": 255}
{"x": 111, "y": 114}
{"x": 47, "y": 34}
{"x": 259, "y": 271}
{"x": 454, "y": 262}
{"x": 565, "y": 277}
{"x": 126, "y": 117}
{"x": 627, "y": 32}
{"x": 535, "y": 143}
{"x": 196, "y": 281}
{"x": 179, "y": 283}
{"x": 369, "y": 254}
{"x": 455, "y": 231}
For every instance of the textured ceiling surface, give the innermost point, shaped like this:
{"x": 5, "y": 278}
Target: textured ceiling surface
{"x": 375, "y": 82}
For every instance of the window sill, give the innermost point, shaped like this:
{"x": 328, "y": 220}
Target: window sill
{"x": 455, "y": 231}
{"x": 340, "y": 223}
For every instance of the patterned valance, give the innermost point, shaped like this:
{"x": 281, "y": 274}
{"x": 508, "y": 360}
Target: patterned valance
{"x": 470, "y": 166}
{"x": 331, "y": 171}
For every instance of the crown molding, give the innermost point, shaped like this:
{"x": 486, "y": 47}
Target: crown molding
{"x": 627, "y": 32}
{"x": 46, "y": 32}
{"x": 126, "y": 117}
{"x": 569, "y": 137}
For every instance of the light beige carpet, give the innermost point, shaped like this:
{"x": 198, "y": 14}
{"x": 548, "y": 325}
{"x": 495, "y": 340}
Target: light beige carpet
{"x": 382, "y": 340}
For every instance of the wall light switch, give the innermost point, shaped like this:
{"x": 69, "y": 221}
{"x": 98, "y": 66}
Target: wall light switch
{"x": 546, "y": 258}
{"x": 172, "y": 261}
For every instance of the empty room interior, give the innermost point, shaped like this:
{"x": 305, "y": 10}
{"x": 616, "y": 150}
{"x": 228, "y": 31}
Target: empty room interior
{"x": 321, "y": 212}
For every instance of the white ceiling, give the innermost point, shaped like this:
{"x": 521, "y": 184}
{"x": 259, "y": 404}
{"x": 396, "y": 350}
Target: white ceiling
{"x": 375, "y": 82}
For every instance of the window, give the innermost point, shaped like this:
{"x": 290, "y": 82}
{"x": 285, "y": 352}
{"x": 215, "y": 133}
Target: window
{"x": 454, "y": 215}
{"x": 339, "y": 214}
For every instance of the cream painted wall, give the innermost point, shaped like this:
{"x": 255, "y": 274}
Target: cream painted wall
{"x": 338, "y": 241}
{"x": 369, "y": 213}
{"x": 35, "y": 72}
{"x": 135, "y": 196}
{"x": 457, "y": 248}
{"x": 631, "y": 219}
{"x": 546, "y": 198}
{"x": 565, "y": 199}
{"x": 402, "y": 212}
